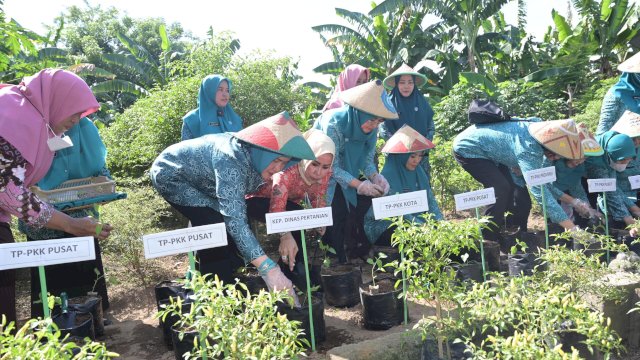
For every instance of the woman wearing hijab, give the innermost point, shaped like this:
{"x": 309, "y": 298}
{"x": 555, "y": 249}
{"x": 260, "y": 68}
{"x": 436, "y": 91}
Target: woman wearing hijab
{"x": 206, "y": 179}
{"x": 33, "y": 117}
{"x": 353, "y": 129}
{"x": 350, "y": 77}
{"x": 629, "y": 124}
{"x": 404, "y": 150}
{"x": 624, "y": 95}
{"x": 619, "y": 151}
{"x": 86, "y": 158}
{"x": 488, "y": 151}
{"x": 306, "y": 183}
{"x": 213, "y": 115}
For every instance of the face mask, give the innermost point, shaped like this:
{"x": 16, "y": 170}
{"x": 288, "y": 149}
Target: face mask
{"x": 57, "y": 143}
{"x": 617, "y": 167}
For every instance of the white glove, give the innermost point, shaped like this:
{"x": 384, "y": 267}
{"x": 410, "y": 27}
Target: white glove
{"x": 370, "y": 189}
{"x": 582, "y": 207}
{"x": 380, "y": 180}
{"x": 276, "y": 280}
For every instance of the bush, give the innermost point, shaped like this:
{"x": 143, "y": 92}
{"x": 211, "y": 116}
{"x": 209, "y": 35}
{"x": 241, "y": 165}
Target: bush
{"x": 143, "y": 212}
{"x": 451, "y": 113}
{"x": 591, "y": 103}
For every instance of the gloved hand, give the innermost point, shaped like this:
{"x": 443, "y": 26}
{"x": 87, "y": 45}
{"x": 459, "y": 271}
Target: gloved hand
{"x": 288, "y": 249}
{"x": 370, "y": 189}
{"x": 582, "y": 207}
{"x": 276, "y": 280}
{"x": 381, "y": 181}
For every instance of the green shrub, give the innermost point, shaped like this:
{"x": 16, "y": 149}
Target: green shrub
{"x": 451, "y": 113}
{"x": 591, "y": 103}
{"x": 143, "y": 212}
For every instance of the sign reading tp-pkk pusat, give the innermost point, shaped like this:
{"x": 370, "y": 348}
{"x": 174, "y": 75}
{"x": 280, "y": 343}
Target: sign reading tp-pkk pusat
{"x": 474, "y": 199}
{"x": 298, "y": 220}
{"x": 46, "y": 252}
{"x": 540, "y": 176}
{"x": 184, "y": 240}
{"x": 634, "y": 181}
{"x": 400, "y": 204}
{"x": 601, "y": 185}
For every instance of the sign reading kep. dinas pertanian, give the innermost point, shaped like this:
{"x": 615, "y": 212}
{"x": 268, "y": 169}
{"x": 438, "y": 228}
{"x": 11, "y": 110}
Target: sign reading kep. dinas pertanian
{"x": 298, "y": 220}
{"x": 46, "y": 252}
{"x": 184, "y": 240}
{"x": 401, "y": 204}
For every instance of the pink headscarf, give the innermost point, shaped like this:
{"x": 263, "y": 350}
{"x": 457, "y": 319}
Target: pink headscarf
{"x": 50, "y": 96}
{"x": 347, "y": 79}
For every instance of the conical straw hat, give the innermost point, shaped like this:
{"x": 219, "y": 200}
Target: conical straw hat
{"x": 406, "y": 140}
{"x": 631, "y": 65}
{"x": 370, "y": 98}
{"x": 590, "y": 146}
{"x": 404, "y": 69}
{"x": 628, "y": 124}
{"x": 279, "y": 134}
{"x": 558, "y": 136}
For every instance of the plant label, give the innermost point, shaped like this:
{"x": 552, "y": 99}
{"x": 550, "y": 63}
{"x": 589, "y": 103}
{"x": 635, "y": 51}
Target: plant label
{"x": 184, "y": 240}
{"x": 298, "y": 220}
{"x": 634, "y": 181}
{"x": 601, "y": 185}
{"x": 474, "y": 199}
{"x": 540, "y": 176}
{"x": 46, "y": 252}
{"x": 400, "y": 204}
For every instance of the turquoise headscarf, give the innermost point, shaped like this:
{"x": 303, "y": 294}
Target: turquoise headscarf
{"x": 413, "y": 110}
{"x": 627, "y": 89}
{"x": 208, "y": 118}
{"x": 85, "y": 158}
{"x": 402, "y": 180}
{"x": 261, "y": 158}
{"x": 616, "y": 147}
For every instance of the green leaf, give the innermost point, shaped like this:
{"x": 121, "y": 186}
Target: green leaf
{"x": 478, "y": 79}
{"x": 564, "y": 29}
{"x": 546, "y": 73}
{"x": 162, "y": 30}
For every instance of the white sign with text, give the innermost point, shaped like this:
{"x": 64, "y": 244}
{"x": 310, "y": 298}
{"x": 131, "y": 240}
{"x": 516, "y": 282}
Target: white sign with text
{"x": 46, "y": 252}
{"x": 634, "y": 181}
{"x": 601, "y": 185}
{"x": 184, "y": 240}
{"x": 400, "y": 204}
{"x": 540, "y": 176}
{"x": 298, "y": 220}
{"x": 474, "y": 199}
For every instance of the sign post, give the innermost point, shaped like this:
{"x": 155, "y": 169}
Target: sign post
{"x": 397, "y": 205}
{"x": 46, "y": 252}
{"x": 476, "y": 199}
{"x": 603, "y": 186}
{"x": 185, "y": 240}
{"x": 301, "y": 220}
{"x": 541, "y": 177}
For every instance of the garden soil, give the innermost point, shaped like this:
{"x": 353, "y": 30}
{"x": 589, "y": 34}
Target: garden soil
{"x": 134, "y": 333}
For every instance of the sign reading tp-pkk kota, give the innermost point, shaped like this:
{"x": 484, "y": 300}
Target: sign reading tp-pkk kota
{"x": 400, "y": 204}
{"x": 184, "y": 240}
{"x": 634, "y": 181}
{"x": 601, "y": 185}
{"x": 298, "y": 220}
{"x": 540, "y": 176}
{"x": 474, "y": 199}
{"x": 46, "y": 252}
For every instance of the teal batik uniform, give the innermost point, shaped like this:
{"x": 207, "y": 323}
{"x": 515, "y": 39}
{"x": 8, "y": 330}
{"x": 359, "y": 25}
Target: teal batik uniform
{"x": 209, "y": 118}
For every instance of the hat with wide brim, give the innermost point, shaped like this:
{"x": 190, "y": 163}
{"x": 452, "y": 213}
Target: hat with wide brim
{"x": 279, "y": 134}
{"x": 628, "y": 124}
{"x": 404, "y": 69}
{"x": 590, "y": 146}
{"x": 370, "y": 98}
{"x": 406, "y": 140}
{"x": 631, "y": 65}
{"x": 558, "y": 136}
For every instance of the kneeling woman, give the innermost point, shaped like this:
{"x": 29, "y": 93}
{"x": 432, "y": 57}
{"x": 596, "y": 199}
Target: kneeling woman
{"x": 206, "y": 180}
{"x": 306, "y": 183}
{"x": 405, "y": 150}
{"x": 487, "y": 152}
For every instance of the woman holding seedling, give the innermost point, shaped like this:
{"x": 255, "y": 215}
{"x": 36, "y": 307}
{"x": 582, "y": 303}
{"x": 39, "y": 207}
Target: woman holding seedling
{"x": 405, "y": 151}
{"x": 206, "y": 179}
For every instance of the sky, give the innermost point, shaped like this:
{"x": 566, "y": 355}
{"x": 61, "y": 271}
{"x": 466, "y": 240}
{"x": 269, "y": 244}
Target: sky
{"x": 281, "y": 25}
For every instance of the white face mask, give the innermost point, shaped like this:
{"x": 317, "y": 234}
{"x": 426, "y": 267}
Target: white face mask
{"x": 57, "y": 143}
{"x": 617, "y": 167}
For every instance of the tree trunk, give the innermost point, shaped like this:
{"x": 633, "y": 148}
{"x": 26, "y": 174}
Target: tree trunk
{"x": 471, "y": 58}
